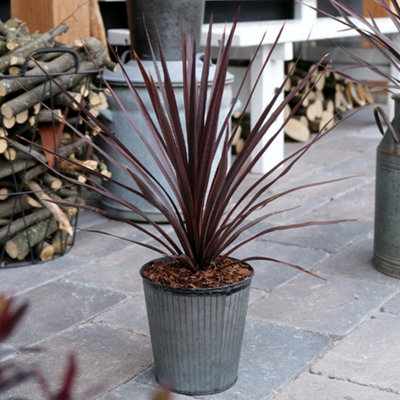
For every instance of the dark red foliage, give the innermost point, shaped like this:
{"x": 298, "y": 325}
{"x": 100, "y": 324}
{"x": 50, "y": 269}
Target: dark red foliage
{"x": 9, "y": 316}
{"x": 369, "y": 31}
{"x": 193, "y": 158}
{"x": 65, "y": 392}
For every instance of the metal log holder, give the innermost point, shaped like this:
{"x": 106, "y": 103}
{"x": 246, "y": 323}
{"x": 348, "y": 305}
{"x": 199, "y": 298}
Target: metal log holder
{"x": 19, "y": 191}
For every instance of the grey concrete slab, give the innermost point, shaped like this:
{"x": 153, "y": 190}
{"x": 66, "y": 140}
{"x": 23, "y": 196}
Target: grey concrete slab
{"x": 89, "y": 245}
{"x": 255, "y": 295}
{"x": 129, "y": 315}
{"x": 357, "y": 203}
{"x": 310, "y": 386}
{"x": 329, "y": 238}
{"x": 355, "y": 261}
{"x": 88, "y": 219}
{"x": 335, "y": 151}
{"x": 137, "y": 391}
{"x": 268, "y": 274}
{"x": 106, "y": 358}
{"x": 361, "y": 124}
{"x": 106, "y": 325}
{"x": 369, "y": 356}
{"x": 392, "y": 306}
{"x": 56, "y": 306}
{"x": 117, "y": 270}
{"x": 271, "y": 356}
{"x": 14, "y": 281}
{"x": 334, "y": 173}
{"x": 333, "y": 307}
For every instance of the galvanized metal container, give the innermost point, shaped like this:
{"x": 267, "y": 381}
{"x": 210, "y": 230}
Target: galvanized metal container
{"x": 166, "y": 18}
{"x": 386, "y": 257}
{"x": 196, "y": 335}
{"x": 118, "y": 122}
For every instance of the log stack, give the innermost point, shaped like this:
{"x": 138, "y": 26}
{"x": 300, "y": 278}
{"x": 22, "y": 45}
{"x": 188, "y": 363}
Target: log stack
{"x": 37, "y": 120}
{"x": 330, "y": 95}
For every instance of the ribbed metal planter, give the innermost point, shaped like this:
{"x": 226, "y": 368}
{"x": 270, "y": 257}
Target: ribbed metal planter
{"x": 166, "y": 18}
{"x": 196, "y": 335}
{"x": 387, "y": 196}
{"x": 119, "y": 124}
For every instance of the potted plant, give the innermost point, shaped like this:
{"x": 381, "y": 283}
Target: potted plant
{"x": 197, "y": 291}
{"x": 386, "y": 256}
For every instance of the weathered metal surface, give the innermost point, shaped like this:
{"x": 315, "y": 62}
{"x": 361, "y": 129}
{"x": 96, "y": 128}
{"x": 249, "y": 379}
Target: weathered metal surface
{"x": 119, "y": 123}
{"x": 166, "y": 17}
{"x": 196, "y": 335}
{"x": 387, "y": 197}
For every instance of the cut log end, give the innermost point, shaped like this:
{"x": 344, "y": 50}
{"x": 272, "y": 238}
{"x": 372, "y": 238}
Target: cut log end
{"x": 296, "y": 130}
{"x": 6, "y": 111}
{"x": 45, "y": 251}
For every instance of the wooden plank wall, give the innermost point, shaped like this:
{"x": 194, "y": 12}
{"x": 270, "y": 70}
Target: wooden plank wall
{"x": 42, "y": 15}
{"x": 374, "y": 8}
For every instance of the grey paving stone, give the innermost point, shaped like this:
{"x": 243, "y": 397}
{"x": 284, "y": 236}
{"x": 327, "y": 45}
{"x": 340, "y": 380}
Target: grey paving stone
{"x": 333, "y": 153}
{"x": 89, "y": 248}
{"x": 331, "y": 190}
{"x": 304, "y": 200}
{"x": 137, "y": 391}
{"x": 129, "y": 315}
{"x": 355, "y": 203}
{"x": 334, "y": 307}
{"x": 271, "y": 356}
{"x": 14, "y": 281}
{"x": 355, "y": 261}
{"x": 310, "y": 386}
{"x": 59, "y": 305}
{"x": 88, "y": 219}
{"x": 350, "y": 144}
{"x": 329, "y": 238}
{"x": 268, "y": 274}
{"x": 117, "y": 270}
{"x": 393, "y": 305}
{"x": 255, "y": 295}
{"x": 106, "y": 359}
{"x": 96, "y": 245}
{"x": 359, "y": 123}
{"x": 368, "y": 356}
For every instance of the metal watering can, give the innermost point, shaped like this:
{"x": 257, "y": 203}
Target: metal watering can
{"x": 386, "y": 256}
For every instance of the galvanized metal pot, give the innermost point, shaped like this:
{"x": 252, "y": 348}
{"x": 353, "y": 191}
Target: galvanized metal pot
{"x": 163, "y": 17}
{"x": 196, "y": 334}
{"x": 118, "y": 122}
{"x": 386, "y": 257}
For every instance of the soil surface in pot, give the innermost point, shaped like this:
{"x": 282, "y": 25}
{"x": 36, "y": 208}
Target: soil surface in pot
{"x": 174, "y": 275}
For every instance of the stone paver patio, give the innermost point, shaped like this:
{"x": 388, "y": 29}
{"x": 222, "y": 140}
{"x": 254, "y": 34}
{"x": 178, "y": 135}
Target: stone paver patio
{"x": 305, "y": 338}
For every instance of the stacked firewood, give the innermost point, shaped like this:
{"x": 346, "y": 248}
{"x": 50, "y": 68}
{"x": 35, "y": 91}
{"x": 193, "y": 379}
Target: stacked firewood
{"x": 241, "y": 126}
{"x": 37, "y": 120}
{"x": 329, "y": 96}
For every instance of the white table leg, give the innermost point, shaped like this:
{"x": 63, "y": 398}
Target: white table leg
{"x": 304, "y": 12}
{"x": 271, "y": 79}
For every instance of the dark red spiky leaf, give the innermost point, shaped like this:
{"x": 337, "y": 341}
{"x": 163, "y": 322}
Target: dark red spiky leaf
{"x": 200, "y": 182}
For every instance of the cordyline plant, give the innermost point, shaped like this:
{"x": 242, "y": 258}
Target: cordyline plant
{"x": 368, "y": 29}
{"x": 193, "y": 158}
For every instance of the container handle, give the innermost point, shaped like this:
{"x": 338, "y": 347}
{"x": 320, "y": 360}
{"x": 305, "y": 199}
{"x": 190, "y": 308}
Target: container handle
{"x": 378, "y": 113}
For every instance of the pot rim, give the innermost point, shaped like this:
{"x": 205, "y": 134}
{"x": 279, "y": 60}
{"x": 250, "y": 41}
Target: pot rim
{"x": 226, "y": 289}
